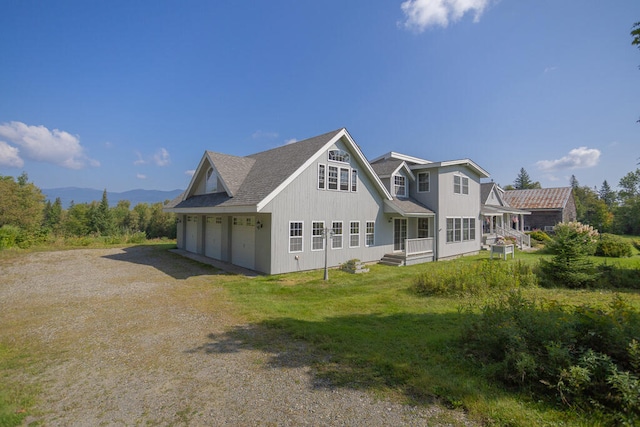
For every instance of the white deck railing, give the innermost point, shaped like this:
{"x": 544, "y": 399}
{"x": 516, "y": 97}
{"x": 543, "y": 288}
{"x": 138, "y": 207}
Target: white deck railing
{"x": 521, "y": 238}
{"x": 418, "y": 246}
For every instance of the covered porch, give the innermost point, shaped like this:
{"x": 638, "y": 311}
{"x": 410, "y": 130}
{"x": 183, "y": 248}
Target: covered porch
{"x": 413, "y": 232}
{"x": 506, "y": 222}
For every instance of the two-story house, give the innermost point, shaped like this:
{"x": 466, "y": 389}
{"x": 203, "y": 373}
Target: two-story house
{"x": 288, "y": 208}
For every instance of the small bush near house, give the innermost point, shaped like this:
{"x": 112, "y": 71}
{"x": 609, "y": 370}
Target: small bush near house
{"x": 473, "y": 278}
{"x": 539, "y": 236}
{"x": 587, "y": 358}
{"x": 614, "y": 246}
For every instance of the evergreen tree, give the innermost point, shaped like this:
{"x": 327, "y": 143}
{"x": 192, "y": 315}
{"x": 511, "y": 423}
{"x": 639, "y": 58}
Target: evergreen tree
{"x": 523, "y": 181}
{"x": 607, "y": 195}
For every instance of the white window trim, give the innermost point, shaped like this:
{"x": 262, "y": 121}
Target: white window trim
{"x": 373, "y": 235}
{"x": 324, "y": 183}
{"x": 354, "y": 181}
{"x": 462, "y": 219}
{"x": 328, "y": 176}
{"x": 428, "y": 174}
{"x": 313, "y": 236}
{"x": 341, "y": 152}
{"x": 463, "y": 178}
{"x": 340, "y": 182}
{"x": 301, "y": 237}
{"x": 353, "y": 234}
{"x": 404, "y": 194}
{"x": 341, "y": 235}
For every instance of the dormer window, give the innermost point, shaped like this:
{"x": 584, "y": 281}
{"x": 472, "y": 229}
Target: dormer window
{"x": 212, "y": 181}
{"x": 460, "y": 184}
{"x": 400, "y": 186}
{"x": 339, "y": 156}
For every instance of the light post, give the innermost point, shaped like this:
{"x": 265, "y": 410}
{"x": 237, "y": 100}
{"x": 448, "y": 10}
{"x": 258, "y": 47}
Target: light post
{"x": 326, "y": 233}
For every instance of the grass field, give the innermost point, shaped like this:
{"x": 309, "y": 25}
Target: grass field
{"x": 370, "y": 332}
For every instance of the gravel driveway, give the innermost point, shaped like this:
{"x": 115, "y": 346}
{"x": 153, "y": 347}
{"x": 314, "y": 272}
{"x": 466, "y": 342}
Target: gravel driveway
{"x": 141, "y": 336}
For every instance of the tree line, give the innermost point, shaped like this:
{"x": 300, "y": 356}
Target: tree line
{"x": 27, "y": 218}
{"x": 603, "y": 208}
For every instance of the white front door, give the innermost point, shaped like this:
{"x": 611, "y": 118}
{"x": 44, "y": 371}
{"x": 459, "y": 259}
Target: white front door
{"x": 213, "y": 237}
{"x": 243, "y": 241}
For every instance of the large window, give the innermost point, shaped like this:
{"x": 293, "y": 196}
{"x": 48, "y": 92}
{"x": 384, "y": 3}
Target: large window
{"x": 344, "y": 179}
{"x": 461, "y": 229}
{"x": 460, "y": 184}
{"x": 423, "y": 228}
{"x": 295, "y": 236}
{"x": 336, "y": 238}
{"x": 370, "y": 233}
{"x": 423, "y": 182}
{"x": 317, "y": 236}
{"x": 333, "y": 178}
{"x": 354, "y": 234}
{"x": 321, "y": 176}
{"x": 211, "y": 185}
{"x": 399, "y": 185}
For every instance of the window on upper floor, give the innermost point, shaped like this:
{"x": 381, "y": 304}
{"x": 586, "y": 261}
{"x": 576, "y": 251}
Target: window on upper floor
{"x": 344, "y": 179}
{"x": 321, "y": 177}
{"x": 333, "y": 178}
{"x": 211, "y": 185}
{"x": 424, "y": 182}
{"x": 400, "y": 186}
{"x": 337, "y": 178}
{"x": 460, "y": 184}
{"x": 354, "y": 180}
{"x": 339, "y": 156}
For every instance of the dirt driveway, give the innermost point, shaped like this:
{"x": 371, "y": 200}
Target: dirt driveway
{"x": 139, "y": 336}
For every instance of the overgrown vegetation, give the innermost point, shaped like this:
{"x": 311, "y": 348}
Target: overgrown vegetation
{"x": 479, "y": 278}
{"x": 26, "y": 220}
{"x": 613, "y": 246}
{"x": 585, "y": 357}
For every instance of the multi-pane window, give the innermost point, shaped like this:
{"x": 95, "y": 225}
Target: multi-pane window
{"x": 339, "y": 156}
{"x": 344, "y": 179}
{"x": 336, "y": 238}
{"x": 423, "y": 228}
{"x": 460, "y": 184}
{"x": 370, "y": 233}
{"x": 354, "y": 234}
{"x": 423, "y": 182}
{"x": 354, "y": 180}
{"x": 295, "y": 236}
{"x": 399, "y": 185}
{"x": 317, "y": 236}
{"x": 212, "y": 181}
{"x": 461, "y": 229}
{"x": 333, "y": 178}
{"x": 321, "y": 176}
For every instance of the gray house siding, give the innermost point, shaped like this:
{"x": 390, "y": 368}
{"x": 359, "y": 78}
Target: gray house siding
{"x": 302, "y": 201}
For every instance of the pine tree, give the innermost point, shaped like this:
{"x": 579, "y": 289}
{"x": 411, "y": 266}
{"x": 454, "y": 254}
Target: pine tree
{"x": 607, "y": 195}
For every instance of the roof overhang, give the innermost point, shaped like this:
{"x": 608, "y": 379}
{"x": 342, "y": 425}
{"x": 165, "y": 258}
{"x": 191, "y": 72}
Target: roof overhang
{"x": 407, "y": 208}
{"x": 462, "y": 162}
{"x": 489, "y": 210}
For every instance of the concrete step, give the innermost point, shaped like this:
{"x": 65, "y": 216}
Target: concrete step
{"x": 392, "y": 260}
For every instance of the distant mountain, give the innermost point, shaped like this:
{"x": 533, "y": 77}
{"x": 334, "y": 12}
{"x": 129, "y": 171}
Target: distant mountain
{"x": 87, "y": 195}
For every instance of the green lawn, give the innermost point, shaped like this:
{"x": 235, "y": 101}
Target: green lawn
{"x": 368, "y": 331}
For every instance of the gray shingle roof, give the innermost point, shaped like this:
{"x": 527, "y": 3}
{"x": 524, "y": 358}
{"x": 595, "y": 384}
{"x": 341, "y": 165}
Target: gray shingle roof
{"x": 384, "y": 168}
{"x": 252, "y": 178}
{"x": 538, "y": 198}
{"x": 409, "y": 207}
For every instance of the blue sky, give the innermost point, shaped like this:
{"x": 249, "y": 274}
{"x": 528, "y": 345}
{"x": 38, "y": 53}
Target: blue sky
{"x": 123, "y": 95}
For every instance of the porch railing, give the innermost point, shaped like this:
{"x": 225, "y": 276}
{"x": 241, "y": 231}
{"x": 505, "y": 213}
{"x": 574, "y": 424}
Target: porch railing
{"x": 522, "y": 239}
{"x": 418, "y": 246}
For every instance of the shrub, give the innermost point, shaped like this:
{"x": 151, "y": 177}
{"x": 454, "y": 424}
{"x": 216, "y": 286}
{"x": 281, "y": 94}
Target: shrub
{"x": 9, "y": 236}
{"x": 611, "y": 245}
{"x": 570, "y": 266}
{"x": 615, "y": 277}
{"x": 539, "y": 236}
{"x": 584, "y": 357}
{"x": 473, "y": 278}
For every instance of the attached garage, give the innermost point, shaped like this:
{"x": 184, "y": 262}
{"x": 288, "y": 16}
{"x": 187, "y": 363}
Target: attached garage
{"x": 191, "y": 235}
{"x": 213, "y": 237}
{"x": 243, "y": 242}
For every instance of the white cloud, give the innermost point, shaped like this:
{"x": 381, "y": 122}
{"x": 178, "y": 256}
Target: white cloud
{"x": 190, "y": 172}
{"x": 290, "y": 141}
{"x": 162, "y": 158}
{"x": 581, "y": 157}
{"x": 140, "y": 160}
{"x": 43, "y": 145}
{"x": 421, "y": 14}
{"x": 550, "y": 69}
{"x": 10, "y": 156}
{"x": 141, "y": 176}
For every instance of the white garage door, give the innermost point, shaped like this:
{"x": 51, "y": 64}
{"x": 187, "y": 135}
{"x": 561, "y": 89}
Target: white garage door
{"x": 213, "y": 237}
{"x": 243, "y": 241}
{"x": 191, "y": 238}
